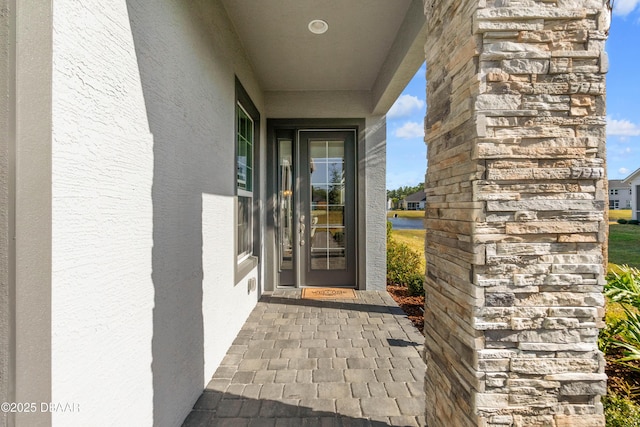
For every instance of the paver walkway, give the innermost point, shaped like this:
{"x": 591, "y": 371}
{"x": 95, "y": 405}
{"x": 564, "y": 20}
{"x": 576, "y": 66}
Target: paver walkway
{"x": 299, "y": 362}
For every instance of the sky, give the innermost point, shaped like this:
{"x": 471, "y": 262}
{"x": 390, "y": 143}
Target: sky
{"x": 406, "y": 150}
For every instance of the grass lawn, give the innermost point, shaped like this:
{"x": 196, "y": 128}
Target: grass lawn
{"x": 624, "y": 248}
{"x": 624, "y": 244}
{"x": 406, "y": 214}
{"x": 413, "y": 238}
{"x": 615, "y": 215}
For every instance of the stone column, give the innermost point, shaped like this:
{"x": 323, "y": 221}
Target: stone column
{"x": 516, "y": 183}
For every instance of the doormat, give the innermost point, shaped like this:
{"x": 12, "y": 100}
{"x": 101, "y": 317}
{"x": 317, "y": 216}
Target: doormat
{"x": 328, "y": 293}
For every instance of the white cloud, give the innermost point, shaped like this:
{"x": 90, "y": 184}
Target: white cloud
{"x": 622, "y": 127}
{"x": 623, "y": 171}
{"x": 625, "y": 7}
{"x": 410, "y": 130}
{"x": 404, "y": 106}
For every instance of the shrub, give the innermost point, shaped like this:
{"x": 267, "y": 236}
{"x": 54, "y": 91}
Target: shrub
{"x": 623, "y": 287}
{"x": 402, "y": 263}
{"x": 415, "y": 285}
{"x": 633, "y": 222}
{"x": 622, "y": 221}
{"x": 608, "y": 335}
{"x": 620, "y": 411}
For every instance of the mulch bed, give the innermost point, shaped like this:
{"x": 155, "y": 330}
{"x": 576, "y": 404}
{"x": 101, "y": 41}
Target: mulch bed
{"x": 411, "y": 305}
{"x": 622, "y": 380}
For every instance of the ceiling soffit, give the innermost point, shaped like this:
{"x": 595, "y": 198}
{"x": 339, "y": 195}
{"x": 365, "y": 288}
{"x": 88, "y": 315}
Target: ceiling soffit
{"x": 286, "y": 56}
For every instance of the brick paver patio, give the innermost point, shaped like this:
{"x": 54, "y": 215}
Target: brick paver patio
{"x": 299, "y": 362}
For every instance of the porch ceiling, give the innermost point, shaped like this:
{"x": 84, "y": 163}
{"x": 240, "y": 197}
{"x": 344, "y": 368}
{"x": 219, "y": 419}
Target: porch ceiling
{"x": 371, "y": 45}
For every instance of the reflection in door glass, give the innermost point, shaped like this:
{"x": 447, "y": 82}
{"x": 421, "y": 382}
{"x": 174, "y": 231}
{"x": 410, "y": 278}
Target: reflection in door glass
{"x": 327, "y": 186}
{"x": 285, "y": 203}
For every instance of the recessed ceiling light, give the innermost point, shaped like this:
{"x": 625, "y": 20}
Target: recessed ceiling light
{"x": 318, "y": 26}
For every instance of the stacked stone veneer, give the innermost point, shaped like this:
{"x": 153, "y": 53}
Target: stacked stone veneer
{"x": 515, "y": 211}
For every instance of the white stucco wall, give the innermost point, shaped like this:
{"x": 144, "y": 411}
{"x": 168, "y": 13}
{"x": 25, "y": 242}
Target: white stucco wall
{"x": 374, "y": 168}
{"x": 144, "y": 302}
{"x": 102, "y": 292}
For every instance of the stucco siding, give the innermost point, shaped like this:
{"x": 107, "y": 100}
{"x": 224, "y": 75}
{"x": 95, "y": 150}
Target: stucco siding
{"x": 145, "y": 302}
{"x": 5, "y": 215}
{"x": 619, "y": 194}
{"x": 102, "y": 288}
{"x": 375, "y": 172}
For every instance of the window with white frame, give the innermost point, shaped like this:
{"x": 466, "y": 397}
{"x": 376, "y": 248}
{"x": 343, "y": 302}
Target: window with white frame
{"x": 247, "y": 162}
{"x": 614, "y": 204}
{"x": 244, "y": 182}
{"x": 613, "y": 192}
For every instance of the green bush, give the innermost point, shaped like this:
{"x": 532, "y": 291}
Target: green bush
{"x": 608, "y": 335}
{"x": 403, "y": 263}
{"x": 622, "y": 221}
{"x": 620, "y": 411}
{"x": 415, "y": 285}
{"x": 623, "y": 332}
{"x": 623, "y": 287}
{"x": 633, "y": 222}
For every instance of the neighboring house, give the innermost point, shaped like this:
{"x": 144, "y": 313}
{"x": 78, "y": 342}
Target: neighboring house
{"x": 633, "y": 181}
{"x": 415, "y": 201}
{"x": 164, "y": 163}
{"x": 389, "y": 204}
{"x": 619, "y": 194}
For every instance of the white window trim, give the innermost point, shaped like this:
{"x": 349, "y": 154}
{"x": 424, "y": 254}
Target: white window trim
{"x": 241, "y": 192}
{"x": 247, "y": 262}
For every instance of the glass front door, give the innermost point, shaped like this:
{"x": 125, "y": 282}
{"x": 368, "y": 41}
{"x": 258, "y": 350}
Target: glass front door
{"x": 315, "y": 209}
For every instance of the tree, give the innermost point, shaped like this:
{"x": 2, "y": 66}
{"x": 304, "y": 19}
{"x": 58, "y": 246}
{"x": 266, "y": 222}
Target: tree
{"x": 402, "y": 192}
